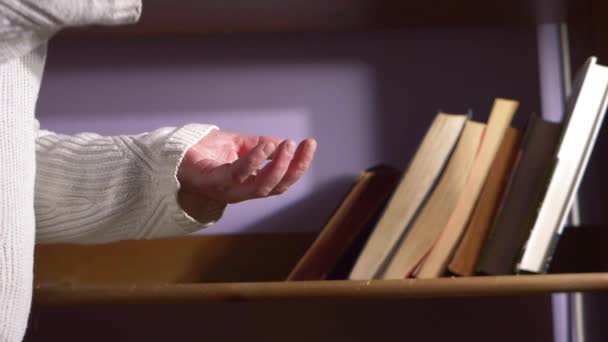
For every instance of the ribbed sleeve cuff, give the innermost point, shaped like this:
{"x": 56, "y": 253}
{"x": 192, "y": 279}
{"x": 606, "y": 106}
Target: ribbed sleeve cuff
{"x": 173, "y": 153}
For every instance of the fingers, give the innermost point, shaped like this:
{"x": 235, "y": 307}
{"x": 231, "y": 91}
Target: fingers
{"x": 243, "y": 180}
{"x": 273, "y": 173}
{"x": 247, "y": 165}
{"x": 246, "y": 143}
{"x": 297, "y": 168}
{"x": 289, "y": 165}
{"x": 218, "y": 179}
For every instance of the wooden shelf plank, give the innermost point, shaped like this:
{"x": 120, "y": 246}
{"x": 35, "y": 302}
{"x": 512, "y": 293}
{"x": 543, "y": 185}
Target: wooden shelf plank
{"x": 189, "y": 259}
{"x": 243, "y": 267}
{"x": 66, "y": 294}
{"x": 217, "y": 16}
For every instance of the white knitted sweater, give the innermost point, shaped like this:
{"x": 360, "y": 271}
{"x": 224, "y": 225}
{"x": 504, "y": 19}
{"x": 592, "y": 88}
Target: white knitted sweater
{"x": 83, "y": 188}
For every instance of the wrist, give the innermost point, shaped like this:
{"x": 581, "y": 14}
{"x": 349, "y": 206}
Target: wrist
{"x": 200, "y": 208}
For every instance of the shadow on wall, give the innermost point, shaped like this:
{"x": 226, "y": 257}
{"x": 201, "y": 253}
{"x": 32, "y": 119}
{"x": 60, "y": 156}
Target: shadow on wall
{"x": 369, "y": 97}
{"x": 296, "y": 214}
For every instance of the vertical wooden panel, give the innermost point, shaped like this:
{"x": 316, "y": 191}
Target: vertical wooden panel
{"x": 214, "y": 258}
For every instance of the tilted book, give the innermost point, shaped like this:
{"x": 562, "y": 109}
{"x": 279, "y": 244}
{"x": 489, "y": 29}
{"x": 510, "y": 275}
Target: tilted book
{"x": 586, "y": 110}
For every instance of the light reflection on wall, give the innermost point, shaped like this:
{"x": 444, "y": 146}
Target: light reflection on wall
{"x": 367, "y": 98}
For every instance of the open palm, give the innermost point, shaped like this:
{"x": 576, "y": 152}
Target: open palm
{"x": 227, "y": 167}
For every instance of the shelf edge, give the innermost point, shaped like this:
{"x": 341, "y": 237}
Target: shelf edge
{"x": 74, "y": 294}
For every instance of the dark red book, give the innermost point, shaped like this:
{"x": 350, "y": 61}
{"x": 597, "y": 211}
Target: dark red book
{"x": 347, "y": 224}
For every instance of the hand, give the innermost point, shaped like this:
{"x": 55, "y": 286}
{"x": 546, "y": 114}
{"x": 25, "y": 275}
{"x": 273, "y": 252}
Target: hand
{"x": 227, "y": 167}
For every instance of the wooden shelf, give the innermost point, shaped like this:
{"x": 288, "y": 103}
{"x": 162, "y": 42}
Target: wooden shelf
{"x": 216, "y": 16}
{"x": 377, "y": 289}
{"x": 242, "y": 268}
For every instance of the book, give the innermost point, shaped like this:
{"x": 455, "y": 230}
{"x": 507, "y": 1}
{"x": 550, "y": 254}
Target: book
{"x": 347, "y": 261}
{"x": 435, "y": 264}
{"x": 436, "y": 212}
{"x": 516, "y": 214}
{"x": 413, "y": 189}
{"x": 365, "y": 198}
{"x": 465, "y": 258}
{"x": 586, "y": 109}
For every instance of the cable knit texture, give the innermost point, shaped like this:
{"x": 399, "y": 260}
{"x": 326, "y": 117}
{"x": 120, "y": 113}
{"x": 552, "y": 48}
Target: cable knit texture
{"x": 85, "y": 188}
{"x": 26, "y": 24}
{"x": 93, "y": 189}
{"x": 19, "y": 83}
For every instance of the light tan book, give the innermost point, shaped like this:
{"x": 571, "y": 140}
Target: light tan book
{"x": 436, "y": 212}
{"x": 413, "y": 189}
{"x": 500, "y": 119}
{"x": 469, "y": 249}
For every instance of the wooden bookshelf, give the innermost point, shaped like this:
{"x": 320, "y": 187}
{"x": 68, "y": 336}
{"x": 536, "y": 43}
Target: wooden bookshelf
{"x": 243, "y": 268}
{"x": 216, "y": 16}
{"x": 219, "y": 270}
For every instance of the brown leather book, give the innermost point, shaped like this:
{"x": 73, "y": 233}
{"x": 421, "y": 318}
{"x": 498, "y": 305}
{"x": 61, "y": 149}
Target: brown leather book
{"x": 465, "y": 258}
{"x": 362, "y": 203}
{"x": 500, "y": 119}
{"x": 517, "y": 212}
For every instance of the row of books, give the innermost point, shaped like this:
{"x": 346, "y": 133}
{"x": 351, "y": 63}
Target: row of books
{"x": 476, "y": 198}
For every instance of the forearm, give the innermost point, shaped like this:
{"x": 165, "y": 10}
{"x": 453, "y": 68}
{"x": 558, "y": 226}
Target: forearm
{"x": 25, "y": 24}
{"x": 53, "y": 15}
{"x": 91, "y": 188}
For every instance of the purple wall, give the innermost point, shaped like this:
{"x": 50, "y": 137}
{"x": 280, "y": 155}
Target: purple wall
{"x": 366, "y": 97}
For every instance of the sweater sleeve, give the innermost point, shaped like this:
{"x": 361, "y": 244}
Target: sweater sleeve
{"x": 93, "y": 189}
{"x": 25, "y": 24}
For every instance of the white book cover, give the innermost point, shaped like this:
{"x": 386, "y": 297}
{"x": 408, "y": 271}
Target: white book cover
{"x": 586, "y": 112}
